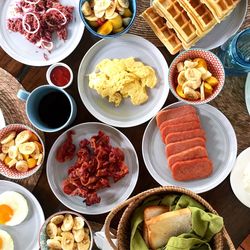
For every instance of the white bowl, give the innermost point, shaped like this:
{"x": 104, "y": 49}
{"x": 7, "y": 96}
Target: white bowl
{"x": 54, "y": 66}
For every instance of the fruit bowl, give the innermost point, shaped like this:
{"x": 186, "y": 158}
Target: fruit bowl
{"x": 113, "y": 27}
{"x": 212, "y": 84}
{"x": 15, "y": 160}
{"x": 60, "y": 221}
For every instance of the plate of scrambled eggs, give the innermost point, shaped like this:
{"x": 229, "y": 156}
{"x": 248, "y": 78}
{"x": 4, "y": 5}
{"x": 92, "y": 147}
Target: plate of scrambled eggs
{"x": 123, "y": 82}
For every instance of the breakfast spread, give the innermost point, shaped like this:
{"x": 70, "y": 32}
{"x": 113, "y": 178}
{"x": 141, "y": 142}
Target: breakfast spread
{"x": 107, "y": 16}
{"x": 39, "y": 20}
{"x": 195, "y": 81}
{"x": 22, "y": 151}
{"x": 97, "y": 162}
{"x": 185, "y": 141}
{"x": 181, "y": 24}
{"x": 6, "y": 241}
{"x": 67, "y": 231}
{"x": 116, "y": 79}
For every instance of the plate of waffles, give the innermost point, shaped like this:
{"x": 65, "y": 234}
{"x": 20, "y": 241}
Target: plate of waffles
{"x": 206, "y": 24}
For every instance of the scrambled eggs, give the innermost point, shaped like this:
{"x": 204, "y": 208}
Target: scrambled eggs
{"x": 122, "y": 78}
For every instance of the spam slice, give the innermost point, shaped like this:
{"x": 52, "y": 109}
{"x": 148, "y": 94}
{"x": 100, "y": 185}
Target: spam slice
{"x": 173, "y": 113}
{"x": 189, "y": 154}
{"x": 177, "y": 147}
{"x": 185, "y": 135}
{"x": 192, "y": 169}
{"x": 186, "y": 118}
{"x": 179, "y": 128}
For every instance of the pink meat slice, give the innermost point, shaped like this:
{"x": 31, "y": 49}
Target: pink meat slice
{"x": 186, "y": 118}
{"x": 192, "y": 169}
{"x": 177, "y": 147}
{"x": 173, "y": 113}
{"x": 185, "y": 135}
{"x": 189, "y": 154}
{"x": 179, "y": 128}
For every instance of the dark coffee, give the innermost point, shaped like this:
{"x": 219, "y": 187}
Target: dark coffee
{"x": 54, "y": 109}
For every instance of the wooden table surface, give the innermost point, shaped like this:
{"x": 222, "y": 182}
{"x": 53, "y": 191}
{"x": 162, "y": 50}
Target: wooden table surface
{"x": 236, "y": 216}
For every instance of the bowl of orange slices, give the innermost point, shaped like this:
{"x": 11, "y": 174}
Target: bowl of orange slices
{"x": 196, "y": 76}
{"x": 21, "y": 151}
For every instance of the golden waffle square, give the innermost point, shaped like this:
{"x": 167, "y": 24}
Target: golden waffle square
{"x": 201, "y": 16}
{"x": 158, "y": 24}
{"x": 221, "y": 8}
{"x": 177, "y": 17}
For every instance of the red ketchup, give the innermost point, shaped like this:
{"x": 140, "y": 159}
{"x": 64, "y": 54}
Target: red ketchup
{"x": 60, "y": 76}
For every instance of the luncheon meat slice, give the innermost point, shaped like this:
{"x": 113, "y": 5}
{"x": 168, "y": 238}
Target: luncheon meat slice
{"x": 189, "y": 154}
{"x": 173, "y": 113}
{"x": 185, "y": 135}
{"x": 177, "y": 147}
{"x": 179, "y": 128}
{"x": 192, "y": 169}
{"x": 186, "y": 118}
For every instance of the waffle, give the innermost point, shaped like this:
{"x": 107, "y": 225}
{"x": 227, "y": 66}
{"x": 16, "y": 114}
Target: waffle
{"x": 167, "y": 35}
{"x": 221, "y": 8}
{"x": 177, "y": 17}
{"x": 201, "y": 16}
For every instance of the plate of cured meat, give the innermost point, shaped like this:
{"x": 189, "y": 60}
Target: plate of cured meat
{"x": 92, "y": 167}
{"x": 194, "y": 147}
{"x": 40, "y": 32}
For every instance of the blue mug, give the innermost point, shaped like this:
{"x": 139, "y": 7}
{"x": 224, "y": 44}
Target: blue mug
{"x": 43, "y": 108}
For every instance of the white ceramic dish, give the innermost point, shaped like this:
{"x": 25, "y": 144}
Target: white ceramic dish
{"x": 110, "y": 197}
{"x": 247, "y": 93}
{"x": 2, "y": 120}
{"x": 26, "y": 234}
{"x": 236, "y": 177}
{"x": 126, "y": 115}
{"x": 221, "y": 145}
{"x": 25, "y": 52}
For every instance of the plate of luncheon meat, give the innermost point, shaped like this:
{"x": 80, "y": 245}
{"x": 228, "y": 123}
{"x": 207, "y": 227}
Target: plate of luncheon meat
{"x": 194, "y": 147}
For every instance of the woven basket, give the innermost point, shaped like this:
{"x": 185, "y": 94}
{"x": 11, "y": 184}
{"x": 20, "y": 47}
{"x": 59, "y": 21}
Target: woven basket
{"x": 123, "y": 232}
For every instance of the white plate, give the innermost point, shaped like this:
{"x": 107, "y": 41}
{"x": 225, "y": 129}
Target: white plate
{"x": 25, "y": 52}
{"x": 110, "y": 197}
{"x": 26, "y": 234}
{"x": 237, "y": 175}
{"x": 221, "y": 145}
{"x": 247, "y": 93}
{"x": 2, "y": 121}
{"x": 126, "y": 115}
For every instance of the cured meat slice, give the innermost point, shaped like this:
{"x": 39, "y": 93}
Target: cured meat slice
{"x": 189, "y": 154}
{"x": 185, "y": 135}
{"x": 179, "y": 128}
{"x": 192, "y": 169}
{"x": 177, "y": 147}
{"x": 186, "y": 118}
{"x": 173, "y": 113}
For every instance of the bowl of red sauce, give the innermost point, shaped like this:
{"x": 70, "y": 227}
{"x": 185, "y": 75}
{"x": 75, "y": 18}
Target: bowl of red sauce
{"x": 59, "y": 75}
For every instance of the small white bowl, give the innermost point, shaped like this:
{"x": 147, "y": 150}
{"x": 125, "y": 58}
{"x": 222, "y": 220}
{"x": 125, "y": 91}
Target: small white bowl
{"x": 48, "y": 73}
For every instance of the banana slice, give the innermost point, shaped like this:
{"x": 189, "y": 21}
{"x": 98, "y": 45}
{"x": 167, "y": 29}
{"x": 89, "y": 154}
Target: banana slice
{"x": 112, "y": 17}
{"x": 11, "y": 163}
{"x": 126, "y": 21}
{"x": 22, "y": 166}
{"x": 51, "y": 230}
{"x": 57, "y": 219}
{"x": 58, "y": 238}
{"x": 59, "y": 231}
{"x": 206, "y": 75}
{"x": 180, "y": 66}
{"x": 78, "y": 223}
{"x": 101, "y": 5}
{"x": 85, "y": 244}
{"x": 36, "y": 153}
{"x": 19, "y": 157}
{"x": 6, "y": 146}
{"x": 8, "y": 138}
{"x": 99, "y": 14}
{"x": 181, "y": 79}
{"x": 111, "y": 9}
{"x": 27, "y": 148}
{"x": 202, "y": 91}
{"x": 23, "y": 136}
{"x": 68, "y": 223}
{"x": 191, "y": 94}
{"x": 79, "y": 234}
{"x": 91, "y": 18}
{"x": 54, "y": 244}
{"x": 192, "y": 84}
{"x": 86, "y": 9}
{"x": 192, "y": 74}
{"x": 67, "y": 241}
{"x": 190, "y": 64}
{"x": 13, "y": 152}
{"x": 2, "y": 156}
{"x": 39, "y": 160}
{"x": 124, "y": 3}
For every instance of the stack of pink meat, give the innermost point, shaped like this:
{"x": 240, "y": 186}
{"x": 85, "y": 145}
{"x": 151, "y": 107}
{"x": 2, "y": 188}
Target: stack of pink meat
{"x": 185, "y": 141}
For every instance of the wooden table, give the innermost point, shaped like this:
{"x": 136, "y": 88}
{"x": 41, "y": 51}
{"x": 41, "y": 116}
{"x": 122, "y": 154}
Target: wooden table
{"x": 236, "y": 216}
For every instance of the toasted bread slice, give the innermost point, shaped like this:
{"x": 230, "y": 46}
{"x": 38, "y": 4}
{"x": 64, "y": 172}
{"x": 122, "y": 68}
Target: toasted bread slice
{"x": 150, "y": 212}
{"x": 166, "y": 225}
